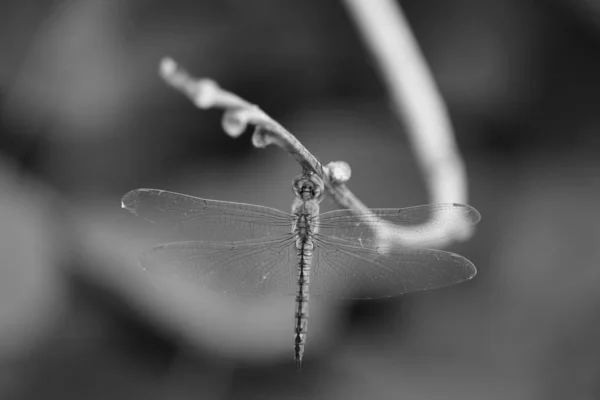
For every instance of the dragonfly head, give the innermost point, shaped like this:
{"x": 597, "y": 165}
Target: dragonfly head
{"x": 308, "y": 187}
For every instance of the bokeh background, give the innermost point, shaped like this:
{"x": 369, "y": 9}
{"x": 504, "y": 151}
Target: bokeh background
{"x": 85, "y": 118}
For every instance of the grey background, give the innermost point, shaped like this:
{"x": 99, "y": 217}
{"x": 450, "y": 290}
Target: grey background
{"x": 85, "y": 118}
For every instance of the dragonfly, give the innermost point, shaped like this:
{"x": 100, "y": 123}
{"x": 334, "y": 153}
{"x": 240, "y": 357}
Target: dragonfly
{"x": 252, "y": 250}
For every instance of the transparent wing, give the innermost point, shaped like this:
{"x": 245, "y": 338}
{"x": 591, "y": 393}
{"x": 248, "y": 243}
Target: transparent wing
{"x": 344, "y": 269}
{"x": 201, "y": 219}
{"x": 419, "y": 224}
{"x": 253, "y": 267}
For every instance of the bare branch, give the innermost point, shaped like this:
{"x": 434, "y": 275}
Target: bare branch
{"x": 239, "y": 113}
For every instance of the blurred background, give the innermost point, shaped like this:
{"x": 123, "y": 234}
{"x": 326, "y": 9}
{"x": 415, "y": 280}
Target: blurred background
{"x": 85, "y": 118}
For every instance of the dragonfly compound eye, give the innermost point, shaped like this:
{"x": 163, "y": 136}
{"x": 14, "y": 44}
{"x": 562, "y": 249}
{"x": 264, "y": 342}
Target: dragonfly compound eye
{"x": 307, "y": 187}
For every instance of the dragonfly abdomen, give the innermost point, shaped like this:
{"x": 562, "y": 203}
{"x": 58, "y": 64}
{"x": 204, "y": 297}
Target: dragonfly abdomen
{"x": 305, "y": 248}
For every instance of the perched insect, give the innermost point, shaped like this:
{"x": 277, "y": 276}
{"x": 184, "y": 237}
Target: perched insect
{"x": 254, "y": 250}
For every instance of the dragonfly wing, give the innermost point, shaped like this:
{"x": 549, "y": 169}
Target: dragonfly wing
{"x": 253, "y": 267}
{"x": 202, "y": 219}
{"x": 345, "y": 269}
{"x": 417, "y": 225}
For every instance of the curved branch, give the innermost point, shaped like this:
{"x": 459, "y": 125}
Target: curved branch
{"x": 239, "y": 113}
{"x": 416, "y": 99}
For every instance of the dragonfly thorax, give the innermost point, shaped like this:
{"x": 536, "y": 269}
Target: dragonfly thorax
{"x": 303, "y": 225}
{"x": 309, "y": 193}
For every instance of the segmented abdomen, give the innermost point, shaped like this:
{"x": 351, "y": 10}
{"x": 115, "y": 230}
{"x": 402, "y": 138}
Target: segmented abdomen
{"x": 304, "y": 248}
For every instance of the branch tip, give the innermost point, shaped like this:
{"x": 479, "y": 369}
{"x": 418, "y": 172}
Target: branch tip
{"x": 168, "y": 66}
{"x": 235, "y": 121}
{"x": 339, "y": 172}
{"x": 260, "y": 138}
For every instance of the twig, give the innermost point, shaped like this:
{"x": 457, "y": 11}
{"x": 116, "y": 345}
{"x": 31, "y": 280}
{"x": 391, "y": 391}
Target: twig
{"x": 239, "y": 113}
{"x": 205, "y": 93}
